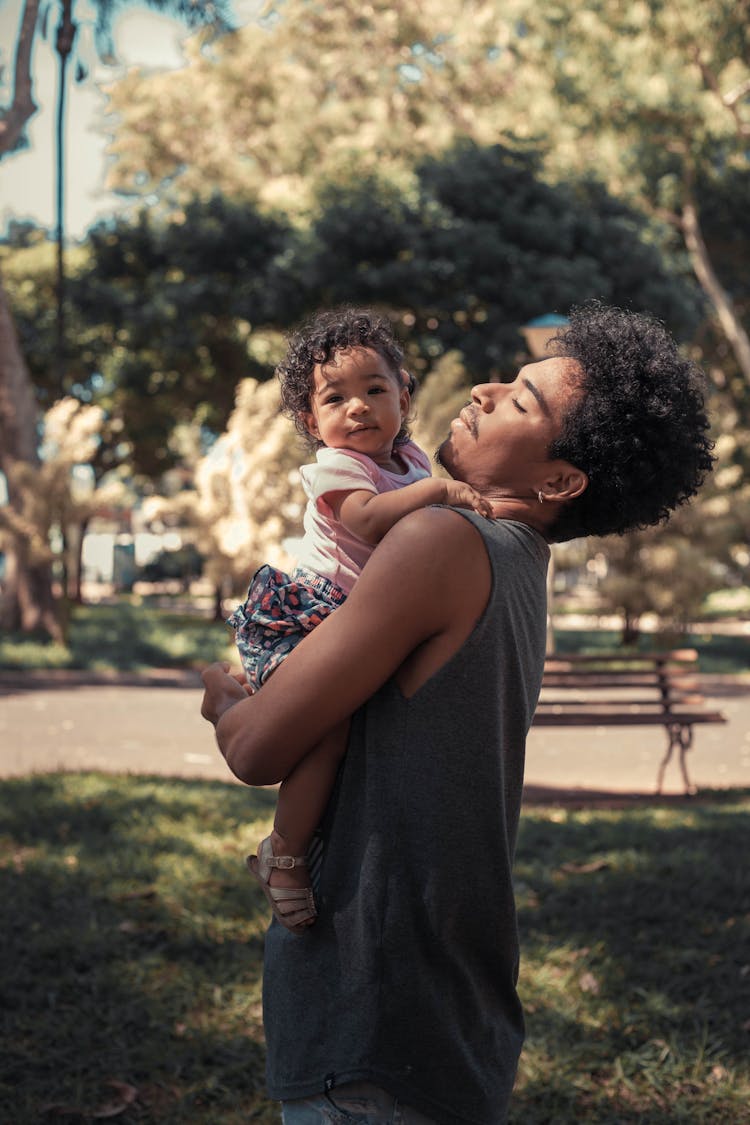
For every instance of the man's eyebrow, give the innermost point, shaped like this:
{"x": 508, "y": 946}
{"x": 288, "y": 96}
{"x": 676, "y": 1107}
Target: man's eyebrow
{"x": 537, "y": 394}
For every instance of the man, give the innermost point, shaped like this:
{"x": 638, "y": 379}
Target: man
{"x": 400, "y": 1002}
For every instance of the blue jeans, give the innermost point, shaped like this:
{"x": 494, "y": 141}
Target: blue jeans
{"x": 354, "y": 1103}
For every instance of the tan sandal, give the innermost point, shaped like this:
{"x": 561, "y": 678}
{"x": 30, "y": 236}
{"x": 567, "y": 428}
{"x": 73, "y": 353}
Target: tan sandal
{"x": 294, "y": 907}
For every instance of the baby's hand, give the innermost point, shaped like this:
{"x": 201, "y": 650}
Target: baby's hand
{"x": 460, "y": 495}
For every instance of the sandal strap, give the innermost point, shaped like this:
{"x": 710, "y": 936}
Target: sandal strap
{"x": 286, "y": 862}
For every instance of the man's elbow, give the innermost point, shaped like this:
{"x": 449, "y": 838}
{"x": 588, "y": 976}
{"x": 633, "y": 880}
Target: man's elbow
{"x": 246, "y": 762}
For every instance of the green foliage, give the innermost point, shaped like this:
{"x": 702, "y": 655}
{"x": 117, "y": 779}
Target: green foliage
{"x": 718, "y": 653}
{"x": 162, "y": 312}
{"x": 483, "y": 247}
{"x": 169, "y": 311}
{"x": 130, "y": 635}
{"x": 307, "y": 92}
{"x": 134, "y": 945}
{"x": 182, "y": 563}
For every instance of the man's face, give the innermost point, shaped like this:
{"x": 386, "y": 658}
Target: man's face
{"x": 500, "y": 442}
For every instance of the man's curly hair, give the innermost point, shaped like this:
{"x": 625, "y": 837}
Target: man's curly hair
{"x": 317, "y": 341}
{"x": 639, "y": 428}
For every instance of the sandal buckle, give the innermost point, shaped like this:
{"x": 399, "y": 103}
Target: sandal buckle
{"x": 286, "y": 862}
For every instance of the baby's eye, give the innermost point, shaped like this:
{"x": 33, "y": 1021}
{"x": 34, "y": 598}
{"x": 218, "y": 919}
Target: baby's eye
{"x": 375, "y": 390}
{"x": 331, "y": 400}
{"x": 518, "y": 406}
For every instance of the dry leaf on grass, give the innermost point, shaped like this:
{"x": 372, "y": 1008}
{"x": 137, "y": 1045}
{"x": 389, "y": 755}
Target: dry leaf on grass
{"x": 125, "y": 1096}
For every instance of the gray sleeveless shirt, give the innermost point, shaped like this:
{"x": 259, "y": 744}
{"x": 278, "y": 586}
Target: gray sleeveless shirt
{"x": 408, "y": 977}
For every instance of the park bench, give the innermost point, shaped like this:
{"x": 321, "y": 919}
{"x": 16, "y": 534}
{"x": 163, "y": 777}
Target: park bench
{"x": 623, "y": 689}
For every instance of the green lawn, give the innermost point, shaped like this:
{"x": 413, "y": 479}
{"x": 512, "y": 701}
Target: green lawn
{"x": 136, "y": 634}
{"x": 131, "y": 636}
{"x": 132, "y": 940}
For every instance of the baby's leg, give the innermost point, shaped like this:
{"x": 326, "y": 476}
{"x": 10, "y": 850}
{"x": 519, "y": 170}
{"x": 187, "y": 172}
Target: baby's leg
{"x": 303, "y": 797}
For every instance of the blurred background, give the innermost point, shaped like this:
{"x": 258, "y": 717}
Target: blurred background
{"x": 181, "y": 183}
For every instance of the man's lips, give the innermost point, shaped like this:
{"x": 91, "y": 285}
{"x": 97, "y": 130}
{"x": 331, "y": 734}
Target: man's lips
{"x": 468, "y": 417}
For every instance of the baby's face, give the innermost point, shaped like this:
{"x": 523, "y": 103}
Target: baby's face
{"x": 358, "y": 402}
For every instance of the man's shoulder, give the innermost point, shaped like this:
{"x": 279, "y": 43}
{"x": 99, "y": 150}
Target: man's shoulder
{"x": 436, "y": 532}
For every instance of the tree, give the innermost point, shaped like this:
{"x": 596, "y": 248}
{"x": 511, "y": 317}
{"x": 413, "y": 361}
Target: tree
{"x": 656, "y": 98}
{"x": 174, "y": 312}
{"x": 171, "y": 312}
{"x": 247, "y": 495}
{"x": 28, "y": 578}
{"x": 481, "y": 247}
{"x": 26, "y": 602}
{"x": 308, "y": 90}
{"x": 651, "y": 97}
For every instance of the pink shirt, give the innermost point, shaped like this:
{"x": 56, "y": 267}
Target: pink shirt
{"x": 329, "y": 548}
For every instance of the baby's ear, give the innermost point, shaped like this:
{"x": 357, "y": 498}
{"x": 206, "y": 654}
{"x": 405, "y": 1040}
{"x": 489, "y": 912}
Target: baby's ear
{"x": 408, "y": 381}
{"x": 310, "y": 424}
{"x": 404, "y": 402}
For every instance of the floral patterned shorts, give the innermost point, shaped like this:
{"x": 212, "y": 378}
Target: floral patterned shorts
{"x": 279, "y": 611}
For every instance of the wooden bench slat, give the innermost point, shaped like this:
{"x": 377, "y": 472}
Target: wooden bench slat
{"x": 619, "y": 719}
{"x": 579, "y": 690}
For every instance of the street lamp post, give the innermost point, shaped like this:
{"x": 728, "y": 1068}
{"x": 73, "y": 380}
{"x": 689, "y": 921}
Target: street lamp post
{"x": 65, "y": 35}
{"x": 538, "y": 334}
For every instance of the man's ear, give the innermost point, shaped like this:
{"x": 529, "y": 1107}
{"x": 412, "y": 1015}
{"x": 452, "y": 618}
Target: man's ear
{"x": 566, "y": 482}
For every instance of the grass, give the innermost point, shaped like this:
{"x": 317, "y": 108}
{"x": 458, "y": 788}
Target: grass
{"x": 132, "y": 947}
{"x": 135, "y": 635}
{"x": 717, "y": 653}
{"x": 131, "y": 635}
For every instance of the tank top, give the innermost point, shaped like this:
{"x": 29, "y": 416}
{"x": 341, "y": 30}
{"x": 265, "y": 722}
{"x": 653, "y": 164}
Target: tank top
{"x": 408, "y": 977}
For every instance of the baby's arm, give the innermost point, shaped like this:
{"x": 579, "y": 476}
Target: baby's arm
{"x": 370, "y": 514}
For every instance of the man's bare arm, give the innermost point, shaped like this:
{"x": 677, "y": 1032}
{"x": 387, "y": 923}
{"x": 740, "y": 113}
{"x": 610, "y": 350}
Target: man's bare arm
{"x": 420, "y": 593}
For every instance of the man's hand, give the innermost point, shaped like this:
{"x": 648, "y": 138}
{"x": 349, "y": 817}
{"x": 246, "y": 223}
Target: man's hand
{"x": 223, "y": 689}
{"x": 460, "y": 495}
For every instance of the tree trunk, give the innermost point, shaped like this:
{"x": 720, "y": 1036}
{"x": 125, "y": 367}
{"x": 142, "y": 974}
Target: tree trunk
{"x": 27, "y": 601}
{"x": 219, "y": 614}
{"x": 630, "y": 629}
{"x": 23, "y": 107}
{"x": 733, "y": 330}
{"x": 77, "y": 593}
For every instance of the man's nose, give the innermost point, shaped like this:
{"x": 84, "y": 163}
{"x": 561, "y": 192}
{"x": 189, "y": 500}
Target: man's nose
{"x": 484, "y": 395}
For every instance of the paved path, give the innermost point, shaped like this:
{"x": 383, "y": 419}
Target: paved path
{"x": 153, "y": 725}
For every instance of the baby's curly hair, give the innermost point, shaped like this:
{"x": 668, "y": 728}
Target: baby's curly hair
{"x": 639, "y": 429}
{"x": 317, "y": 341}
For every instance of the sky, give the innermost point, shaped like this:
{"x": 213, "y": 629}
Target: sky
{"x": 26, "y": 178}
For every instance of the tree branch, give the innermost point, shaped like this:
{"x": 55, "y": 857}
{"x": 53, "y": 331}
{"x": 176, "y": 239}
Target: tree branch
{"x": 712, "y": 287}
{"x": 23, "y": 107}
{"x": 738, "y": 92}
{"x": 730, "y": 100}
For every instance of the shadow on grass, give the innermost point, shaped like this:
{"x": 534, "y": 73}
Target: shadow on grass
{"x": 132, "y": 951}
{"x": 635, "y": 930}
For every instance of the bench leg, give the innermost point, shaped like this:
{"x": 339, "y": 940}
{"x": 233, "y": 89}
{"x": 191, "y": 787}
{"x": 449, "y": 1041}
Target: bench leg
{"x": 680, "y": 737}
